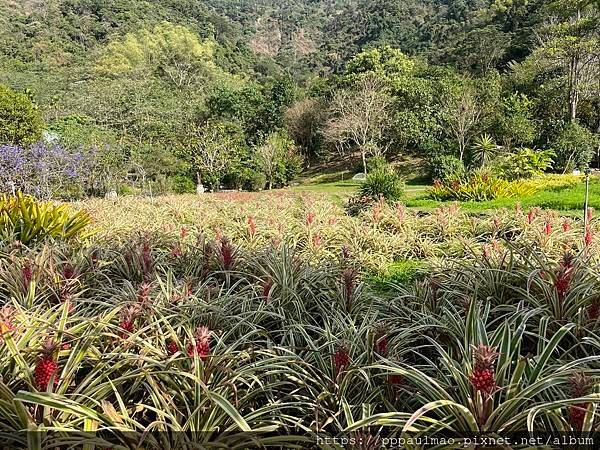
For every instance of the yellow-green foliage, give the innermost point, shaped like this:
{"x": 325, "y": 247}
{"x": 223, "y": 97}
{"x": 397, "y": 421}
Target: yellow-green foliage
{"x": 172, "y": 51}
{"x": 481, "y": 186}
{"x": 25, "y": 219}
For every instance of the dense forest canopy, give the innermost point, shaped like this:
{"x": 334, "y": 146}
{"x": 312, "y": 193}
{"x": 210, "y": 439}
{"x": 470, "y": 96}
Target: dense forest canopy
{"x": 243, "y": 93}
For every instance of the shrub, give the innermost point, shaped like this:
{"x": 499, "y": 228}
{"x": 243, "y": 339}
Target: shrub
{"x": 574, "y": 148}
{"x": 27, "y": 220}
{"x": 402, "y": 272}
{"x": 255, "y": 181}
{"x": 524, "y": 163}
{"x": 446, "y": 167}
{"x": 20, "y": 120}
{"x": 385, "y": 183}
{"x": 183, "y": 185}
{"x": 375, "y": 163}
{"x": 479, "y": 186}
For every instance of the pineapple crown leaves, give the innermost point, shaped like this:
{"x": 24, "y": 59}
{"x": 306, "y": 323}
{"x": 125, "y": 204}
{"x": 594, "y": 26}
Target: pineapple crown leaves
{"x": 202, "y": 334}
{"x": 567, "y": 261}
{"x": 48, "y": 347}
{"x": 129, "y": 313}
{"x": 381, "y": 329}
{"x": 7, "y": 314}
{"x": 581, "y": 384}
{"x": 484, "y": 356}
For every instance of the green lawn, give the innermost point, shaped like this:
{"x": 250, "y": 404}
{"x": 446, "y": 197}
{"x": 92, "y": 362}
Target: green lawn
{"x": 568, "y": 199}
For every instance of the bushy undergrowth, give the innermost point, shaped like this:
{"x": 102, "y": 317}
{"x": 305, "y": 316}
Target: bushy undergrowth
{"x": 173, "y": 340}
{"x": 481, "y": 186}
{"x": 27, "y": 220}
{"x": 383, "y": 182}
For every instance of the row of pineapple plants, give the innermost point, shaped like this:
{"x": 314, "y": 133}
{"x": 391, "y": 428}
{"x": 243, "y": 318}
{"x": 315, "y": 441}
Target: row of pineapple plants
{"x": 315, "y": 228}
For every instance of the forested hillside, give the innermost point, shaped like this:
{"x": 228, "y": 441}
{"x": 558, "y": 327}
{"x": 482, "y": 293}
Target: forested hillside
{"x": 244, "y": 93}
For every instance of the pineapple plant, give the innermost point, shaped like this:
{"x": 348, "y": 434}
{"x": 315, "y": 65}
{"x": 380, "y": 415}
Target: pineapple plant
{"x": 341, "y": 359}
{"x": 201, "y": 343}
{"x": 7, "y": 314}
{"x": 482, "y": 377}
{"x": 46, "y": 366}
{"x": 581, "y": 385}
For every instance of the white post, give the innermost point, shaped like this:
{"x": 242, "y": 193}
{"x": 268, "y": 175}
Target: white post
{"x": 587, "y": 200}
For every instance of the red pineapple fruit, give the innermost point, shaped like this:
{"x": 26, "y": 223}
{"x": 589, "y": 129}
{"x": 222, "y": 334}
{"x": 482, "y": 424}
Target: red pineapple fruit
{"x": 581, "y": 385}
{"x": 46, "y": 366}
{"x": 26, "y": 275}
{"x": 227, "y": 254}
{"x": 564, "y": 275}
{"x": 482, "y": 378}
{"x": 127, "y": 323}
{"x": 395, "y": 379}
{"x": 68, "y": 271}
{"x": 201, "y": 347}
{"x": 346, "y": 252}
{"x": 267, "y": 285}
{"x": 589, "y": 237}
{"x": 341, "y": 359}
{"x": 381, "y": 339}
{"x": 349, "y": 276}
{"x": 172, "y": 347}
{"x": 147, "y": 259}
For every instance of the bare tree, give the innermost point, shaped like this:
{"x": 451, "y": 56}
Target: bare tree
{"x": 359, "y": 119}
{"x": 464, "y": 114}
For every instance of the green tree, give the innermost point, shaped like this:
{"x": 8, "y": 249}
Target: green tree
{"x": 216, "y": 148}
{"x": 20, "y": 120}
{"x": 515, "y": 122}
{"x": 574, "y": 147}
{"x": 278, "y": 159}
{"x": 385, "y": 63}
{"x": 570, "y": 45}
{"x": 170, "y": 51}
{"x": 304, "y": 121}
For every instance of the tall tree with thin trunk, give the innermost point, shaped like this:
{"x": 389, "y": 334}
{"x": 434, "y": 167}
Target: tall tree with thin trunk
{"x": 464, "y": 112}
{"x": 569, "y": 43}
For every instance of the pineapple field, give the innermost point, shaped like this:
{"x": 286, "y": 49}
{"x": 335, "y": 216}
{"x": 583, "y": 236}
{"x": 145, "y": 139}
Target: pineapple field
{"x": 240, "y": 320}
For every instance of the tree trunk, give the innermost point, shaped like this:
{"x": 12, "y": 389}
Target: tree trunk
{"x": 364, "y": 160}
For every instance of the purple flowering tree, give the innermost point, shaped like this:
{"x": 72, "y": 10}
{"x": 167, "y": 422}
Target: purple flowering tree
{"x": 44, "y": 170}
